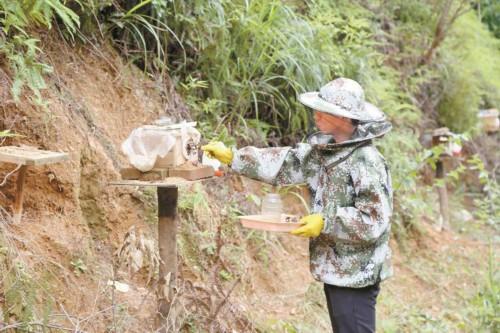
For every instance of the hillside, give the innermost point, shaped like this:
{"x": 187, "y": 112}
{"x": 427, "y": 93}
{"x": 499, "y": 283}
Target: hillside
{"x": 71, "y": 214}
{"x": 58, "y": 263}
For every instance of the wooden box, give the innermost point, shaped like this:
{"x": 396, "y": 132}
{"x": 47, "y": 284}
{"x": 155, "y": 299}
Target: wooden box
{"x": 489, "y": 120}
{"x": 175, "y": 157}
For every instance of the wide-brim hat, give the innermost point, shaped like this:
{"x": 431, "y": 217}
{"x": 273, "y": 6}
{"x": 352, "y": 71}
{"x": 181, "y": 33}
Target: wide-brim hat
{"x": 345, "y": 98}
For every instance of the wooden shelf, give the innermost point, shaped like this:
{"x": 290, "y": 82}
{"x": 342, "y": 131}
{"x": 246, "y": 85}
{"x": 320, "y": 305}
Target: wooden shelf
{"x": 30, "y": 156}
{"x": 167, "y": 182}
{"x": 24, "y": 157}
{"x": 195, "y": 173}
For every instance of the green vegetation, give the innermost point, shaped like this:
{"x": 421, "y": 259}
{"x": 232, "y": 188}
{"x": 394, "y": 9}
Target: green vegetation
{"x": 21, "y": 288}
{"x": 471, "y": 78}
{"x": 6, "y": 134}
{"x": 240, "y": 65}
{"x": 17, "y": 286}
{"x": 246, "y": 63}
{"x": 489, "y": 11}
{"x": 486, "y": 304}
{"x": 79, "y": 266}
{"x": 19, "y": 45}
{"x": 469, "y": 304}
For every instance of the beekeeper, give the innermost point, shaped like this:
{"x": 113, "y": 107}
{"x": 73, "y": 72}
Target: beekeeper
{"x": 351, "y": 193}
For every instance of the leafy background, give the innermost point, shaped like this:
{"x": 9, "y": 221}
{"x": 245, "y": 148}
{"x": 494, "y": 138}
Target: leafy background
{"x": 239, "y": 66}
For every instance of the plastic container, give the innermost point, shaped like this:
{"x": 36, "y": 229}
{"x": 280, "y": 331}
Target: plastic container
{"x": 271, "y": 205}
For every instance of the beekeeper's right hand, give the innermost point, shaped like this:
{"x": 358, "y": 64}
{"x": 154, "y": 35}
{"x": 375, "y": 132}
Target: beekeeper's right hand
{"x": 218, "y": 150}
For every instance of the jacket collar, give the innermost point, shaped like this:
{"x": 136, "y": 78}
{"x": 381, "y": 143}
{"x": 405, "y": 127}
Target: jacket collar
{"x": 334, "y": 153}
{"x": 363, "y": 132}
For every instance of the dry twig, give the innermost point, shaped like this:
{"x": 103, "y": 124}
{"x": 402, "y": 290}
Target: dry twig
{"x": 6, "y": 178}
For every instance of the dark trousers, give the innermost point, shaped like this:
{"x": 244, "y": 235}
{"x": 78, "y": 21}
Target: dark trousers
{"x": 352, "y": 310}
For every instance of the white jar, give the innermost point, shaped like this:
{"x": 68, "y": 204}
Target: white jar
{"x": 271, "y": 204}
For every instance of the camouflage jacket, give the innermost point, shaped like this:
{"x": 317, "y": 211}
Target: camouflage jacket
{"x": 350, "y": 186}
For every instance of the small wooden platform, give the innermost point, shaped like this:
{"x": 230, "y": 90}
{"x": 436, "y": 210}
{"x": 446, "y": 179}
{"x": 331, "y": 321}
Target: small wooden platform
{"x": 167, "y": 195}
{"x": 166, "y": 182}
{"x": 24, "y": 157}
{"x": 30, "y": 156}
{"x": 134, "y": 174}
{"x": 194, "y": 173}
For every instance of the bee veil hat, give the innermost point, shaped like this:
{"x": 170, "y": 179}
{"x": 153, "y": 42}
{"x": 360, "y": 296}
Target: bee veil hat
{"x": 345, "y": 98}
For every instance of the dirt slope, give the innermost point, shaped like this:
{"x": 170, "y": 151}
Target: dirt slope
{"x": 95, "y": 100}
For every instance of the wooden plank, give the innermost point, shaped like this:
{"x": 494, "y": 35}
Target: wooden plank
{"x": 130, "y": 173}
{"x": 192, "y": 173}
{"x": 167, "y": 234}
{"x": 18, "y": 201}
{"x": 167, "y": 182}
{"x": 133, "y": 173}
{"x": 30, "y": 156}
{"x": 170, "y": 126}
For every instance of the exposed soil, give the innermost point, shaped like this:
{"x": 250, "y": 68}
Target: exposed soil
{"x": 70, "y": 211}
{"x": 73, "y": 217}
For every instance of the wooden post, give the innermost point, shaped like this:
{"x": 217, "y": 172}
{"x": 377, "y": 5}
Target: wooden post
{"x": 18, "y": 201}
{"x": 442, "y": 136}
{"x": 167, "y": 227}
{"x": 443, "y": 197}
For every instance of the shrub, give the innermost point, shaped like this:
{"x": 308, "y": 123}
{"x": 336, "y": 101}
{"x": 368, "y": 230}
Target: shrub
{"x": 471, "y": 74}
{"x": 20, "y": 48}
{"x": 255, "y": 57}
{"x": 489, "y": 11}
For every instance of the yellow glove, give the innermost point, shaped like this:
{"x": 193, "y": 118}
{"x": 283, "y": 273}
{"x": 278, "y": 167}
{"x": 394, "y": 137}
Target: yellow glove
{"x": 312, "y": 226}
{"x": 219, "y": 151}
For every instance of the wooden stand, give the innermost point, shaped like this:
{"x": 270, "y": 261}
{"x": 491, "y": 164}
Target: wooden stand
{"x": 26, "y": 156}
{"x": 442, "y": 136}
{"x": 167, "y": 191}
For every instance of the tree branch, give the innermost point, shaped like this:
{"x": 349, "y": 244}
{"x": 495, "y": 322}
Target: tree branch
{"x": 443, "y": 26}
